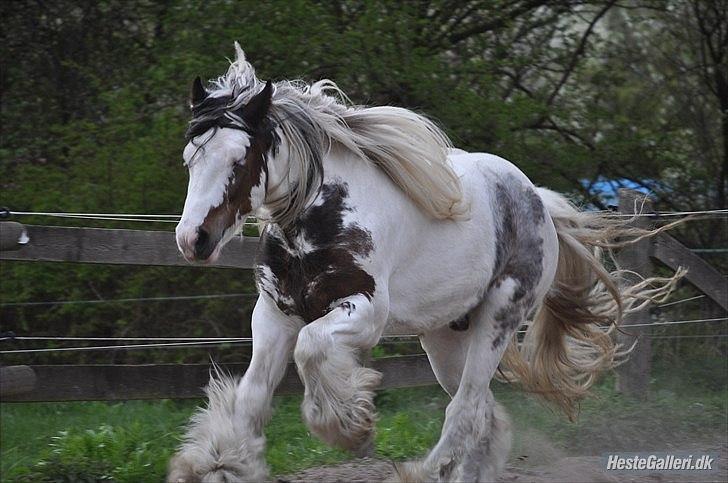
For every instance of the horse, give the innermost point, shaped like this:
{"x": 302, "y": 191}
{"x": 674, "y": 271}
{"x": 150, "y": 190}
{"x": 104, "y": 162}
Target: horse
{"x": 375, "y": 224}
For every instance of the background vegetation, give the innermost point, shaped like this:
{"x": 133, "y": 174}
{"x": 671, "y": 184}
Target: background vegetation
{"x": 584, "y": 96}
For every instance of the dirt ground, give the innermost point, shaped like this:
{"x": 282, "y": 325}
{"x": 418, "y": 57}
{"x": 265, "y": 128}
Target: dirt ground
{"x": 576, "y": 469}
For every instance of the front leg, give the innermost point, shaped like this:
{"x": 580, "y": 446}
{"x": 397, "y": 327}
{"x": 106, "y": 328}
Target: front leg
{"x": 224, "y": 442}
{"x": 338, "y": 402}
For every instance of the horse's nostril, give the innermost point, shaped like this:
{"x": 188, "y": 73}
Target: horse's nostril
{"x": 202, "y": 236}
{"x": 201, "y": 242}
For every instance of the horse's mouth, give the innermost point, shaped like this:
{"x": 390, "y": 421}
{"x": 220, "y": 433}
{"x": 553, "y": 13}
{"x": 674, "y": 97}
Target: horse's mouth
{"x": 203, "y": 258}
{"x": 202, "y": 253}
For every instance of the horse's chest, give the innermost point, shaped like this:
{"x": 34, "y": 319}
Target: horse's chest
{"x": 307, "y": 286}
{"x": 305, "y": 277}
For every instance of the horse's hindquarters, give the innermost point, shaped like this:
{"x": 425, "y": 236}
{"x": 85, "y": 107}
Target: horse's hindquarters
{"x": 447, "y": 267}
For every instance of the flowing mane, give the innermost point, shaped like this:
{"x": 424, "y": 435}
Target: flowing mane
{"x": 407, "y": 146}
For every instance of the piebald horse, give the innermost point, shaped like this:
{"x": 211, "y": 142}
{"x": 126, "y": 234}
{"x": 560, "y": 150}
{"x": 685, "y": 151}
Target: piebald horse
{"x": 375, "y": 224}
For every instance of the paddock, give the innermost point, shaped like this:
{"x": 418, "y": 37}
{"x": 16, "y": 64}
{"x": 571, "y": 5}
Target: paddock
{"x": 26, "y": 383}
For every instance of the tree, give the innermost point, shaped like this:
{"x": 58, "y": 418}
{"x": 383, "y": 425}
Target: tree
{"x": 93, "y": 101}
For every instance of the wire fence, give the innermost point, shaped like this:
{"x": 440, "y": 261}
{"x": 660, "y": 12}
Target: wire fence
{"x": 134, "y": 217}
{"x": 681, "y": 301}
{"x": 696, "y": 336}
{"x": 166, "y": 298}
{"x": 174, "y": 218}
{"x": 192, "y": 342}
{"x": 197, "y": 342}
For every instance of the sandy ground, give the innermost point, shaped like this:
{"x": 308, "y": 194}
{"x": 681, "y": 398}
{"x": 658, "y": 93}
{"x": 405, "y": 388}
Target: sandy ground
{"x": 577, "y": 469}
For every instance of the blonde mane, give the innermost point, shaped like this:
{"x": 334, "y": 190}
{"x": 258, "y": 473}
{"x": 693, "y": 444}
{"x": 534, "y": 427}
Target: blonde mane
{"x": 407, "y": 146}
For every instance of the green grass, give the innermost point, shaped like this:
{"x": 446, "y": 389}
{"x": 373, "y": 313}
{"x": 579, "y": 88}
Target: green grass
{"x": 88, "y": 441}
{"x": 132, "y": 441}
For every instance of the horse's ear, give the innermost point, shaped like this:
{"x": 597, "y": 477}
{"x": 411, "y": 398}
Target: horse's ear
{"x": 198, "y": 93}
{"x": 257, "y": 108}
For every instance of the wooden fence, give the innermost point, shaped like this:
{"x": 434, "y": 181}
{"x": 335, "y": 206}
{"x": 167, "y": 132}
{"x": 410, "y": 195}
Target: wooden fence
{"x": 151, "y": 381}
{"x": 166, "y": 381}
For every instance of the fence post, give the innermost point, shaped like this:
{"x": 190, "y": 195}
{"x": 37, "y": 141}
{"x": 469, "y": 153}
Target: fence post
{"x": 633, "y": 376}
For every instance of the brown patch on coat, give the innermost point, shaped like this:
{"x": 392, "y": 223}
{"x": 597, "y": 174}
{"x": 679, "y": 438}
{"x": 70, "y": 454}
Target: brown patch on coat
{"x": 308, "y": 277}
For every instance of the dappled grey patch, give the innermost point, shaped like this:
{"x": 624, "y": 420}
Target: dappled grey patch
{"x": 461, "y": 324}
{"x": 519, "y": 214}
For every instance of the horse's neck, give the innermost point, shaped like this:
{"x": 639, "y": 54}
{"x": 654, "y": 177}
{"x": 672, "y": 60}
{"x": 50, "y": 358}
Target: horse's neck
{"x": 369, "y": 188}
{"x": 341, "y": 164}
{"x": 351, "y": 187}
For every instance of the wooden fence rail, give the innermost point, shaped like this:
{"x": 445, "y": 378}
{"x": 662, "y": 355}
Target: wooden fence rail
{"x": 137, "y": 247}
{"x": 701, "y": 274}
{"x": 118, "y": 247}
{"x": 167, "y": 381}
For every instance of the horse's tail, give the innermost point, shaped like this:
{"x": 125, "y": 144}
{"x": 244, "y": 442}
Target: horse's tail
{"x": 569, "y": 341}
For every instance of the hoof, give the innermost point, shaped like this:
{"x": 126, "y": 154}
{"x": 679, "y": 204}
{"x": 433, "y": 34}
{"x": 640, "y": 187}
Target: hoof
{"x": 199, "y": 464}
{"x": 407, "y": 471}
{"x": 416, "y": 472}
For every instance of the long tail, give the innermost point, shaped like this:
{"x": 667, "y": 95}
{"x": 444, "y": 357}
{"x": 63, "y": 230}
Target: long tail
{"x": 569, "y": 342}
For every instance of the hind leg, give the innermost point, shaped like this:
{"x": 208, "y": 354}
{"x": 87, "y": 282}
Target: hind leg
{"x": 446, "y": 350}
{"x": 475, "y": 438}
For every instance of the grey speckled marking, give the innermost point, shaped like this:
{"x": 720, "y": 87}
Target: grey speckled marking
{"x": 461, "y": 324}
{"x": 519, "y": 214}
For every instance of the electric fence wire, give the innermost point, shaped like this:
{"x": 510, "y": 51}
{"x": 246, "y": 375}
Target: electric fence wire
{"x": 174, "y": 218}
{"x": 188, "y": 342}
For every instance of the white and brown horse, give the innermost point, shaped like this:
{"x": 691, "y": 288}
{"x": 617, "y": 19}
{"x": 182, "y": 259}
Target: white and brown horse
{"x": 376, "y": 225}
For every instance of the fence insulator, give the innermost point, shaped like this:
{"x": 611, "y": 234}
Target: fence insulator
{"x": 13, "y": 235}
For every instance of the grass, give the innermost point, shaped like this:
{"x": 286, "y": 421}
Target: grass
{"x": 88, "y": 441}
{"x": 131, "y": 441}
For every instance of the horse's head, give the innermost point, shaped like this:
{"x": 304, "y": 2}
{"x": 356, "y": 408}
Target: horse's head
{"x": 252, "y": 148}
{"x": 226, "y": 155}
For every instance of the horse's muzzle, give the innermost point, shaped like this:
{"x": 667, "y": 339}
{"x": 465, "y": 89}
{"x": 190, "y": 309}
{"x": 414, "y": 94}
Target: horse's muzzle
{"x": 197, "y": 245}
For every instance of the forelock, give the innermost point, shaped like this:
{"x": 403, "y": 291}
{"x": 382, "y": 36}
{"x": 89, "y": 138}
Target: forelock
{"x": 227, "y": 94}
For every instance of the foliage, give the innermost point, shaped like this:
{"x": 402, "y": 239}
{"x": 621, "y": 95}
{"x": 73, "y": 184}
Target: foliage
{"x": 89, "y": 441}
{"x": 94, "y": 93}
